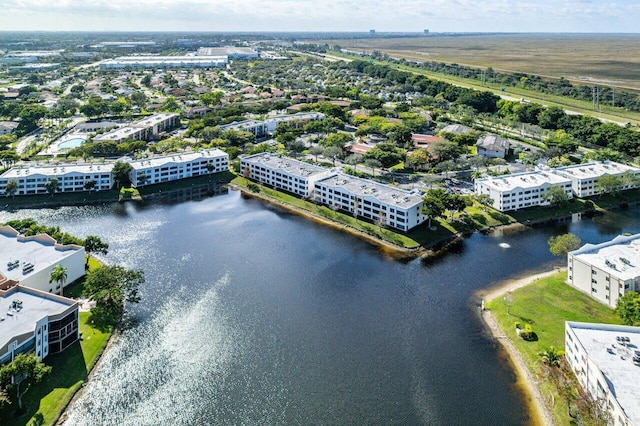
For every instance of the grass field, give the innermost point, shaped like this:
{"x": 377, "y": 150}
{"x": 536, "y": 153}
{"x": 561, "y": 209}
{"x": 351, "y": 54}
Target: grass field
{"x": 546, "y": 304}
{"x": 608, "y": 59}
{"x": 46, "y": 400}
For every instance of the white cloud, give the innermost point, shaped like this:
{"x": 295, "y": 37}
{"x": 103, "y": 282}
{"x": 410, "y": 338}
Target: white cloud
{"x": 315, "y": 15}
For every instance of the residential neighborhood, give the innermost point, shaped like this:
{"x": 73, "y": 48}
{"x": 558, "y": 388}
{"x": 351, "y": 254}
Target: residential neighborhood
{"x": 423, "y": 171}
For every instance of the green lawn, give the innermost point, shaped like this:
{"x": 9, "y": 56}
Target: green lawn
{"x": 546, "y": 304}
{"x": 46, "y": 400}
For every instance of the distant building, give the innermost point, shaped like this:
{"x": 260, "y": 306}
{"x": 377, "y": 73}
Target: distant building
{"x": 606, "y": 271}
{"x": 492, "y": 146}
{"x": 146, "y": 129}
{"x": 521, "y": 190}
{"x": 92, "y": 127}
{"x": 231, "y": 52}
{"x": 197, "y": 111}
{"x": 258, "y": 128}
{"x": 425, "y": 141}
{"x": 7, "y": 127}
{"x": 178, "y": 166}
{"x": 30, "y": 260}
{"x": 137, "y": 62}
{"x": 300, "y": 118}
{"x": 584, "y": 177}
{"x": 606, "y": 362}
{"x": 283, "y": 173}
{"x": 457, "y": 129}
{"x": 35, "y": 321}
{"x": 377, "y": 202}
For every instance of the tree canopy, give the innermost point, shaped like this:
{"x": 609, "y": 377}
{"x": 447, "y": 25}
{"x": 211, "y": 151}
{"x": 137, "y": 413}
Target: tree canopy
{"x": 562, "y": 244}
{"x": 628, "y": 308}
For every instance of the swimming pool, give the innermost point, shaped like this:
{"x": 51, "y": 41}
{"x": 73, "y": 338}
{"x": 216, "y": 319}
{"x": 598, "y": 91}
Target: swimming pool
{"x": 71, "y": 143}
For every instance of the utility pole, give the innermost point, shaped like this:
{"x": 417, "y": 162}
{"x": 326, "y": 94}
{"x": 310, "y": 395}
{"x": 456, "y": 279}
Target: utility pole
{"x": 613, "y": 97}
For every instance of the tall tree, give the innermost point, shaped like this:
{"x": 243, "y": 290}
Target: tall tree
{"x": 121, "y": 172}
{"x": 52, "y": 186}
{"x": 628, "y": 308}
{"x": 110, "y": 287}
{"x": 563, "y": 244}
{"x": 59, "y": 276}
{"x": 11, "y": 188}
{"x": 24, "y": 369}
{"x": 93, "y": 244}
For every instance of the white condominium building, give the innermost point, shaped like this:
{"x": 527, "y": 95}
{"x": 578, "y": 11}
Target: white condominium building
{"x": 35, "y": 321}
{"x": 32, "y": 179}
{"x": 606, "y": 271}
{"x": 258, "y": 128}
{"x": 606, "y": 361}
{"x": 298, "y": 118}
{"x": 30, "y": 260}
{"x": 521, "y": 190}
{"x": 372, "y": 200}
{"x": 215, "y": 61}
{"x": 584, "y": 177}
{"x": 148, "y": 128}
{"x": 283, "y": 173}
{"x": 166, "y": 168}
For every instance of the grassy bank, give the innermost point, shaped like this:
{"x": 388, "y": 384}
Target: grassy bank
{"x": 546, "y": 304}
{"x": 323, "y": 212}
{"x": 46, "y": 400}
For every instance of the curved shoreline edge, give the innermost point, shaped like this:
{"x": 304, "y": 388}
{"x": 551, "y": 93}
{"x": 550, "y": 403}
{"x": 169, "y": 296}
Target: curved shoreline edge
{"x": 525, "y": 380}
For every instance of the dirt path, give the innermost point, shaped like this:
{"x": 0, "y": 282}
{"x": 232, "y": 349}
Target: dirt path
{"x": 526, "y": 380}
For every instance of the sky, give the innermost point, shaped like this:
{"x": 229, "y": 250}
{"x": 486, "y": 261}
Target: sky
{"x": 602, "y": 16}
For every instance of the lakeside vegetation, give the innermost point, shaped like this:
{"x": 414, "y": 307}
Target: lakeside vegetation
{"x": 46, "y": 400}
{"x": 545, "y": 305}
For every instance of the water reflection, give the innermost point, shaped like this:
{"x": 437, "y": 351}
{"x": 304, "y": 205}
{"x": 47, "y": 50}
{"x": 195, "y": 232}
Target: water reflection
{"x": 253, "y": 316}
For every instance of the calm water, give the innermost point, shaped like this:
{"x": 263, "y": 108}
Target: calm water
{"x": 252, "y": 316}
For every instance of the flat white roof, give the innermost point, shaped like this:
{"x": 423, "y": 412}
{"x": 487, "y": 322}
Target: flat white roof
{"x": 34, "y": 307}
{"x": 57, "y": 170}
{"x": 145, "y": 163}
{"x": 619, "y": 257}
{"x": 39, "y": 253}
{"x": 288, "y": 165}
{"x": 614, "y": 360}
{"x": 296, "y": 116}
{"x": 596, "y": 169}
{"x": 369, "y": 188}
{"x": 135, "y": 126}
{"x": 525, "y": 180}
{"x": 241, "y": 124}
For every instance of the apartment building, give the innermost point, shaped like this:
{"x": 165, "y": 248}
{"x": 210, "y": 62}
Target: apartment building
{"x": 282, "y": 173}
{"x": 30, "y": 260}
{"x": 148, "y": 128}
{"x": 258, "y": 128}
{"x": 606, "y": 271}
{"x": 584, "y": 177}
{"x": 32, "y": 179}
{"x": 35, "y": 321}
{"x": 371, "y": 200}
{"x": 298, "y": 119}
{"x": 606, "y": 362}
{"x": 148, "y": 171}
{"x": 521, "y": 190}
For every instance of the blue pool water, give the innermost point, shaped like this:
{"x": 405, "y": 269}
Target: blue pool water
{"x": 71, "y": 143}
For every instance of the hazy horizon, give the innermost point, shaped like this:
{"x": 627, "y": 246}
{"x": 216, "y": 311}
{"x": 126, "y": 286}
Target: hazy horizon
{"x": 449, "y": 16}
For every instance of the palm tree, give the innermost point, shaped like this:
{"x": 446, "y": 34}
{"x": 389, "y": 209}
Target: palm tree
{"x": 59, "y": 275}
{"x": 551, "y": 356}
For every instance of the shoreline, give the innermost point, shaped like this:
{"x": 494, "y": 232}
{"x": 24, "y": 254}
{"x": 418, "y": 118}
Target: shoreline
{"x": 525, "y": 381}
{"x": 397, "y": 252}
